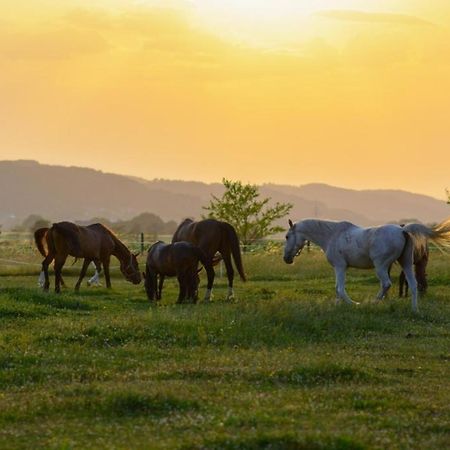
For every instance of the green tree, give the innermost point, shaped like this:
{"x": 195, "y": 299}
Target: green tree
{"x": 241, "y": 206}
{"x": 447, "y": 191}
{"x": 33, "y": 222}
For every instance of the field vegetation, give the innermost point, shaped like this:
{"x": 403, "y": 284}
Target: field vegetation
{"x": 280, "y": 368}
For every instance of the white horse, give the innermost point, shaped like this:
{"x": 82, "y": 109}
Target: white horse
{"x": 347, "y": 245}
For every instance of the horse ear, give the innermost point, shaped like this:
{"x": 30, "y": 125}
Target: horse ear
{"x": 291, "y": 225}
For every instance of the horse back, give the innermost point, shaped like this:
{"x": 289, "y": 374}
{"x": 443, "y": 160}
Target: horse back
{"x": 80, "y": 241}
{"x": 206, "y": 234}
{"x": 171, "y": 259}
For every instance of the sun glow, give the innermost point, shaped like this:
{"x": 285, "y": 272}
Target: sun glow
{"x": 273, "y": 23}
{"x": 217, "y": 85}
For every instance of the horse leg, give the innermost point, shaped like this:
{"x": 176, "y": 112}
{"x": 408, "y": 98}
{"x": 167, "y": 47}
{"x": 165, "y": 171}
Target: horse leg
{"x": 191, "y": 285}
{"x": 84, "y": 268}
{"x": 385, "y": 282}
{"x": 401, "y": 283}
{"x": 406, "y": 262}
{"x": 160, "y": 287}
{"x": 208, "y": 293}
{"x": 106, "y": 262}
{"x": 412, "y": 283}
{"x": 46, "y": 283}
{"x": 195, "y": 283}
{"x": 95, "y": 279}
{"x": 150, "y": 284}
{"x": 182, "y": 284}
{"x": 340, "y": 286}
{"x": 230, "y": 275}
{"x": 59, "y": 263}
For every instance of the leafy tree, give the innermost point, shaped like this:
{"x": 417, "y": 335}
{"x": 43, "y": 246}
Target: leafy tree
{"x": 33, "y": 222}
{"x": 143, "y": 223}
{"x": 242, "y": 207}
{"x": 447, "y": 191}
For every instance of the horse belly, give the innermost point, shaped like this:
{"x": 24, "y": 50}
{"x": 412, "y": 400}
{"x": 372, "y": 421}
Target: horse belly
{"x": 358, "y": 256}
{"x": 360, "y": 261}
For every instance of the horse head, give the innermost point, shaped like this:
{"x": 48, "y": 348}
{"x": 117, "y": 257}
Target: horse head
{"x": 130, "y": 269}
{"x": 295, "y": 241}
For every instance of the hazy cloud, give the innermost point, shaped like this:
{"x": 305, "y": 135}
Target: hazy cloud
{"x": 59, "y": 43}
{"x": 386, "y": 18}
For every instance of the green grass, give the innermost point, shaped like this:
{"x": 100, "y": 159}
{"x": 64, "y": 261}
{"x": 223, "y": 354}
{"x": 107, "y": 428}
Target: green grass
{"x": 281, "y": 368}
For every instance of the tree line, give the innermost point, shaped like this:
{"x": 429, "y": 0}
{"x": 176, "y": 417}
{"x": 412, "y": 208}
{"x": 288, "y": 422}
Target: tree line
{"x": 146, "y": 222}
{"x": 241, "y": 205}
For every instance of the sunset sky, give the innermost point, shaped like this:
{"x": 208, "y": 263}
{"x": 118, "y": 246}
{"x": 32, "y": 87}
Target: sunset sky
{"x": 350, "y": 93}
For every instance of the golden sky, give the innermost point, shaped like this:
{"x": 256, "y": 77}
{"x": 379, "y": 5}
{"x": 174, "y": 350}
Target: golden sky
{"x": 354, "y": 93}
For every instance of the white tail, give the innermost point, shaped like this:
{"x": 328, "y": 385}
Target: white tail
{"x": 439, "y": 234}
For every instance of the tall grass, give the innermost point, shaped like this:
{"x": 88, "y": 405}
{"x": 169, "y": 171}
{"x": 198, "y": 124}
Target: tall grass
{"x": 282, "y": 367}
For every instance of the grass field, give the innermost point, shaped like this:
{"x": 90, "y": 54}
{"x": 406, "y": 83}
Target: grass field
{"x": 281, "y": 368}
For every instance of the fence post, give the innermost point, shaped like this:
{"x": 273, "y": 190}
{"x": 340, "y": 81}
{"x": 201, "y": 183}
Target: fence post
{"x": 142, "y": 242}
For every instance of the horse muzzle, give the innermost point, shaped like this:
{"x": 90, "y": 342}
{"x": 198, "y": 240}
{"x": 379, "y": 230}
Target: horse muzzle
{"x": 288, "y": 259}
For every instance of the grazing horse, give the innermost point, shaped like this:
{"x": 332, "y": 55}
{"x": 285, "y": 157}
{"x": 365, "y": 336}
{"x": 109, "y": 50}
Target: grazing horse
{"x": 421, "y": 257}
{"x": 95, "y": 243}
{"x": 180, "y": 259}
{"x": 214, "y": 236}
{"x": 347, "y": 245}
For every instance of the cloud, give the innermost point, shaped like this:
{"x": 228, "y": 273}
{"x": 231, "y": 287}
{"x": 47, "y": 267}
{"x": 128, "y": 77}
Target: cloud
{"x": 59, "y": 43}
{"x": 381, "y": 18}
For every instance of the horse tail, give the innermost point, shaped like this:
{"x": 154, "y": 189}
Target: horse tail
{"x": 233, "y": 241}
{"x": 421, "y": 234}
{"x": 40, "y": 236}
{"x": 71, "y": 236}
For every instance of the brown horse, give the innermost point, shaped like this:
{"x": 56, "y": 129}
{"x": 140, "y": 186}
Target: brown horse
{"x": 180, "y": 259}
{"x": 95, "y": 243}
{"x": 421, "y": 256}
{"x": 214, "y": 236}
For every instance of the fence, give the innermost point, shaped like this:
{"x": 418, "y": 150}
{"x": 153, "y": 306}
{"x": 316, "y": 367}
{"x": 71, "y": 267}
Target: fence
{"x": 17, "y": 249}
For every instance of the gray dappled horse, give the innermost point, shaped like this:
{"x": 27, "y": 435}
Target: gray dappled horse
{"x": 347, "y": 245}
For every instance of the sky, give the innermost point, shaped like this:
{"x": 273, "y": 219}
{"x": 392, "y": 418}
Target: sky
{"x": 353, "y": 93}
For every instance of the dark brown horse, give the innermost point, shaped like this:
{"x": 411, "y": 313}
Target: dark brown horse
{"x": 180, "y": 259}
{"x": 421, "y": 256}
{"x": 213, "y": 236}
{"x": 95, "y": 243}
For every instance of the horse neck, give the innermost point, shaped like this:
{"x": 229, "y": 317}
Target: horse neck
{"x": 120, "y": 251}
{"x": 318, "y": 231}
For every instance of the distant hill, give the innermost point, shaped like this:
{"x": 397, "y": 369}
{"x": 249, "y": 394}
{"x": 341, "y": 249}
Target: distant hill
{"x": 75, "y": 193}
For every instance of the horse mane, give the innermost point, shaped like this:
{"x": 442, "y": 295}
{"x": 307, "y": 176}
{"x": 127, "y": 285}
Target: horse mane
{"x": 186, "y": 221}
{"x": 113, "y": 236}
{"x": 323, "y": 226}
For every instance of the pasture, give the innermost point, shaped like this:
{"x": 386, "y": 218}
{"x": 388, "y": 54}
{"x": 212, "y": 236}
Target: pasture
{"x": 280, "y": 368}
